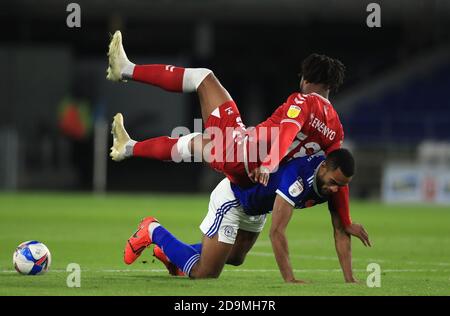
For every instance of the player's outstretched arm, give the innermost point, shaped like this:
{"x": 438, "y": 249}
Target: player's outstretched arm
{"x": 279, "y": 148}
{"x": 281, "y": 214}
{"x": 339, "y": 202}
{"x": 343, "y": 245}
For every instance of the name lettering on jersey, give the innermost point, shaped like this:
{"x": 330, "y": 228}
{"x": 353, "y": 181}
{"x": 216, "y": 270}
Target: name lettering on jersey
{"x": 323, "y": 128}
{"x": 296, "y": 188}
{"x": 293, "y": 111}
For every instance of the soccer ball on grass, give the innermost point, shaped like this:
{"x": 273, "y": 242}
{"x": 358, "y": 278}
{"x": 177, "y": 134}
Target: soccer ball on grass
{"x": 31, "y": 258}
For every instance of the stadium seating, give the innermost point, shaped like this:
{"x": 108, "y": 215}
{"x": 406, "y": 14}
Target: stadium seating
{"x": 418, "y": 109}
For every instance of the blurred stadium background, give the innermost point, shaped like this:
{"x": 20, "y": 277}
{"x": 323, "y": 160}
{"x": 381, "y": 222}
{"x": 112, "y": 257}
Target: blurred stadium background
{"x": 56, "y": 103}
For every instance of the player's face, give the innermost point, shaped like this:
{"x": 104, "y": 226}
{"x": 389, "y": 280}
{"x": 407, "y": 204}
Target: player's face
{"x": 329, "y": 181}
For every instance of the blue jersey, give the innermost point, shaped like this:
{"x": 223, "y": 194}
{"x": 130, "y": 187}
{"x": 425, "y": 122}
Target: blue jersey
{"x": 293, "y": 181}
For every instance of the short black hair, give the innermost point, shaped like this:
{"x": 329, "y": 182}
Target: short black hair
{"x": 342, "y": 159}
{"x": 324, "y": 70}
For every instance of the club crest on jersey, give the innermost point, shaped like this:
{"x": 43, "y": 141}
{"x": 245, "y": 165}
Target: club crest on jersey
{"x": 296, "y": 188}
{"x": 293, "y": 111}
{"x": 229, "y": 232}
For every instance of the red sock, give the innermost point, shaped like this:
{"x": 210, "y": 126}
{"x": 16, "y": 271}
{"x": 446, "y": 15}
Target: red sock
{"x": 167, "y": 77}
{"x": 159, "y": 148}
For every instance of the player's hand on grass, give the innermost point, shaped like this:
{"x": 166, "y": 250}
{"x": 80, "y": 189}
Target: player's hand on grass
{"x": 296, "y": 281}
{"x": 358, "y": 230}
{"x": 260, "y": 175}
{"x": 352, "y": 280}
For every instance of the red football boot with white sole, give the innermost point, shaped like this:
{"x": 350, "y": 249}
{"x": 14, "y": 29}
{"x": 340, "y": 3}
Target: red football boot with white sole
{"x": 138, "y": 241}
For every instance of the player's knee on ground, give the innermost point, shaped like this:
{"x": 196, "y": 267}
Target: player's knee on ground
{"x": 199, "y": 273}
{"x": 236, "y": 260}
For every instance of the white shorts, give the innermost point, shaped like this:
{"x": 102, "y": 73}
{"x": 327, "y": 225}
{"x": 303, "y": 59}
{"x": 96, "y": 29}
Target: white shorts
{"x": 225, "y": 215}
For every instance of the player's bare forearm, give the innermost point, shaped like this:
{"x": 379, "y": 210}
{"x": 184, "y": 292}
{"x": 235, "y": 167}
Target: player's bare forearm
{"x": 278, "y": 150}
{"x": 280, "y": 249}
{"x": 343, "y": 246}
{"x": 281, "y": 215}
{"x": 344, "y": 252}
{"x": 339, "y": 206}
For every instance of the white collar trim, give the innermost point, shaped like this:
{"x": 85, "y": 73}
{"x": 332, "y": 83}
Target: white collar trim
{"x": 323, "y": 98}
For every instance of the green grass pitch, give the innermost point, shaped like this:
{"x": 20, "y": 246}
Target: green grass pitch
{"x": 410, "y": 243}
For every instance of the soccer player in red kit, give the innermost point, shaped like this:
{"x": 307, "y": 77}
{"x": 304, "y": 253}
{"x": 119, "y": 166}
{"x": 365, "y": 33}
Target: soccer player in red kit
{"x": 305, "y": 124}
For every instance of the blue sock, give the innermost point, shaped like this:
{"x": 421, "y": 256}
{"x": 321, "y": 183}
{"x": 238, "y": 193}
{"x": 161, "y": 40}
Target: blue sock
{"x": 197, "y": 247}
{"x": 179, "y": 253}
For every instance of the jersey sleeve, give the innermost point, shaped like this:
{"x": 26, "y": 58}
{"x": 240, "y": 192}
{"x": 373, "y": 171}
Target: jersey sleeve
{"x": 287, "y": 134}
{"x": 296, "y": 110}
{"x": 290, "y": 187}
{"x": 295, "y": 114}
{"x": 340, "y": 202}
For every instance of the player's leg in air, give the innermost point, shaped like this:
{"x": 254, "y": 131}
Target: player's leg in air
{"x": 170, "y": 78}
{"x": 228, "y": 236}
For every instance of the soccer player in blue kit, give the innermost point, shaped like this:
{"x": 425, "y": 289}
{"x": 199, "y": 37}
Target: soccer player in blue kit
{"x": 237, "y": 215}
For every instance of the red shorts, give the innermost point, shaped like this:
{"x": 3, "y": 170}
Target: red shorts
{"x": 228, "y": 149}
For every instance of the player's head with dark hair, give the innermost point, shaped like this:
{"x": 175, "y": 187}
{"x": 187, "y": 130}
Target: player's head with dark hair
{"x": 336, "y": 171}
{"x": 342, "y": 159}
{"x": 321, "y": 71}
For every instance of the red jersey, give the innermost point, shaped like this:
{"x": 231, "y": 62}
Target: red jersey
{"x": 312, "y": 123}
{"x": 304, "y": 125}
{"x": 307, "y": 124}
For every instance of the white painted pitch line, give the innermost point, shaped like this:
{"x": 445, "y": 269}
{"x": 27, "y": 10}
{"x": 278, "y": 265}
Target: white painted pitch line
{"x": 242, "y": 270}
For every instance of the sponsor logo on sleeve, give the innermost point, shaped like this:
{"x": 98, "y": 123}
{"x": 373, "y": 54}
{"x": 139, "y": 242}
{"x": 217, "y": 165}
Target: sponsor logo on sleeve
{"x": 293, "y": 111}
{"x": 296, "y": 188}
